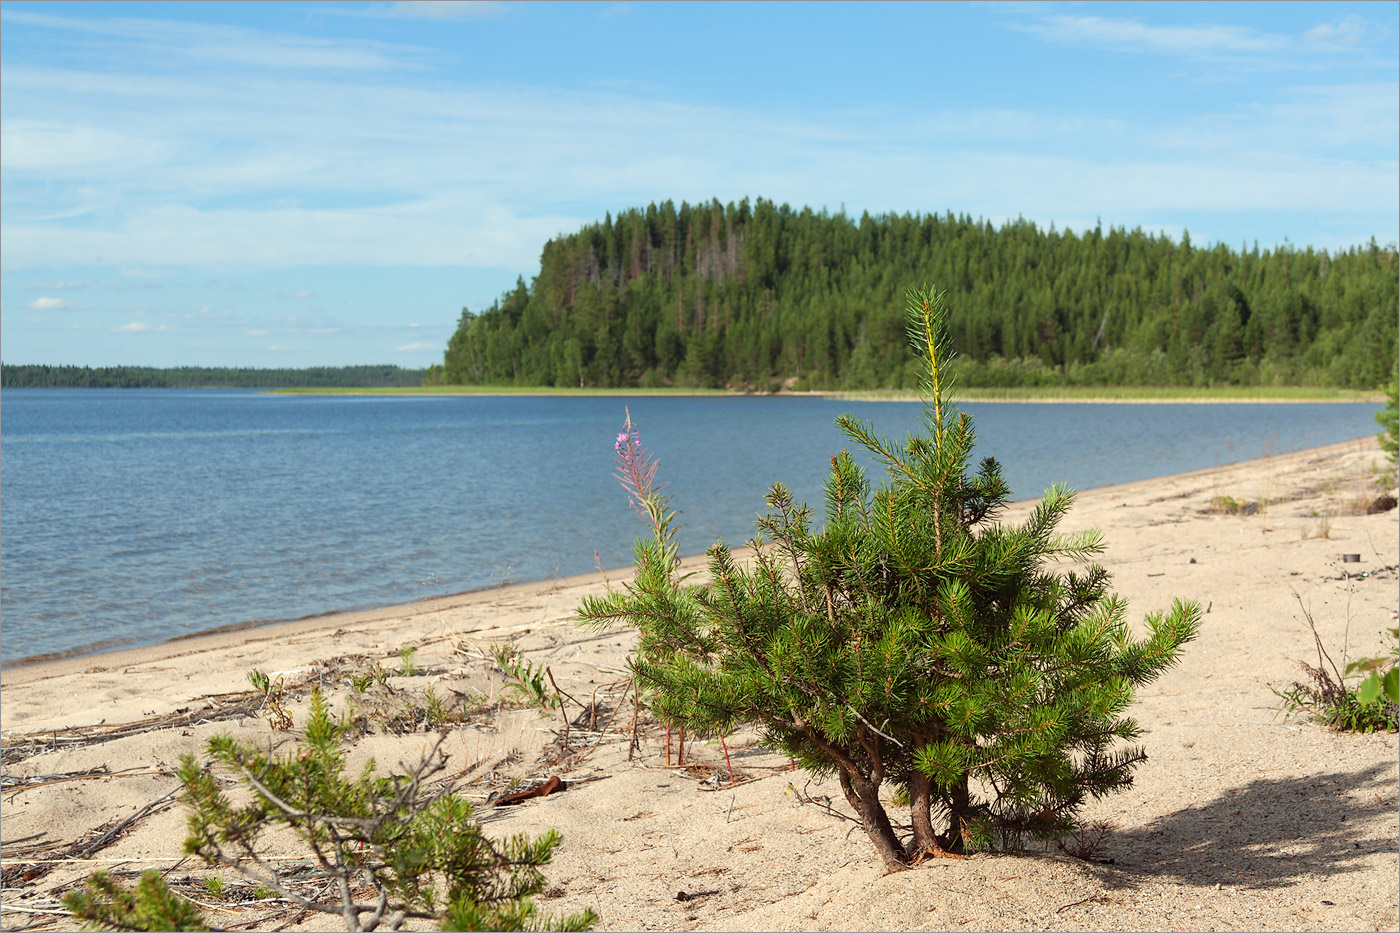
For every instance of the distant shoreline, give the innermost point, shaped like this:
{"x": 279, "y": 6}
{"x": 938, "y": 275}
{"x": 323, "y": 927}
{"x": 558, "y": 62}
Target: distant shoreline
{"x": 1143, "y": 395}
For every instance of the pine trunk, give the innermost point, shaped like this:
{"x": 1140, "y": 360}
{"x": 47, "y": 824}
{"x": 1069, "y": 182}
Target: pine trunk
{"x": 960, "y": 807}
{"x": 925, "y": 841}
{"x": 864, "y": 797}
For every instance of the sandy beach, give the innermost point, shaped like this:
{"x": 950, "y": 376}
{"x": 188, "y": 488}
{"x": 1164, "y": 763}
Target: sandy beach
{"x": 1239, "y": 820}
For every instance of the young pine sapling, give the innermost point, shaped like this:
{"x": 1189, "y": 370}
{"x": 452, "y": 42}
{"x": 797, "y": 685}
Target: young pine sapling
{"x": 914, "y": 640}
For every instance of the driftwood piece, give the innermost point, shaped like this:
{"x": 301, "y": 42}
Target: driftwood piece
{"x": 554, "y": 785}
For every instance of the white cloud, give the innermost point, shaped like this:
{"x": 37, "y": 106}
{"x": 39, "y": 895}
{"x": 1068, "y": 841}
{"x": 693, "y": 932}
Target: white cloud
{"x": 276, "y": 347}
{"x": 419, "y": 345}
{"x": 48, "y": 304}
{"x": 444, "y": 9}
{"x": 1349, "y": 30}
{"x": 135, "y": 327}
{"x": 59, "y": 148}
{"x": 443, "y": 231}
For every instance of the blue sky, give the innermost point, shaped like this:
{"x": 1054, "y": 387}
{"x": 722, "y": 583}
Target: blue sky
{"x": 294, "y": 184}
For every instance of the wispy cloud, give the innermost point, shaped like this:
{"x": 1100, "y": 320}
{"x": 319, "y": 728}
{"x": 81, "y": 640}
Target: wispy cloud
{"x": 60, "y": 148}
{"x": 141, "y": 327}
{"x": 299, "y": 295}
{"x": 443, "y": 9}
{"x": 48, "y": 304}
{"x": 1339, "y": 41}
{"x": 419, "y": 345}
{"x": 1347, "y": 31}
{"x": 64, "y": 286}
{"x": 1137, "y": 36}
{"x": 228, "y": 165}
{"x": 224, "y": 44}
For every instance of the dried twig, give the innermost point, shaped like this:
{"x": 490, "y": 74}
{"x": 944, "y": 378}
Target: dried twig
{"x": 823, "y": 803}
{"x": 110, "y": 836}
{"x": 562, "y": 712}
{"x": 604, "y": 730}
{"x": 872, "y": 728}
{"x": 1317, "y": 639}
{"x": 1086, "y": 900}
{"x": 15, "y": 785}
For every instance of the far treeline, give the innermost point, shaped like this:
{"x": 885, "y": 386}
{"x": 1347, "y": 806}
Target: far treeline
{"x": 199, "y": 377}
{"x": 762, "y": 296}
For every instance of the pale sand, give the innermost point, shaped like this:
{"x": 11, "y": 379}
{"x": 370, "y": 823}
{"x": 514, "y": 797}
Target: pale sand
{"x": 1239, "y": 820}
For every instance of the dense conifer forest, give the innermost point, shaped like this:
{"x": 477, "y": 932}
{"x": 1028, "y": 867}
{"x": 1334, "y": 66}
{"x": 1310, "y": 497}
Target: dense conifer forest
{"x": 757, "y": 295}
{"x": 186, "y": 377}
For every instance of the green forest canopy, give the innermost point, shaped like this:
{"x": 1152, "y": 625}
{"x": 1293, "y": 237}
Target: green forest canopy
{"x": 757, "y": 295}
{"x": 133, "y": 377}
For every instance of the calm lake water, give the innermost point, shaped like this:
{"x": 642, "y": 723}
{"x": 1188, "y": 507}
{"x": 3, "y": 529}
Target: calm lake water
{"x": 133, "y": 516}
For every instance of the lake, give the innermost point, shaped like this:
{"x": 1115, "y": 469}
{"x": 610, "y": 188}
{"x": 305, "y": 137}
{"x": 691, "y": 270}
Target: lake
{"x": 134, "y": 516}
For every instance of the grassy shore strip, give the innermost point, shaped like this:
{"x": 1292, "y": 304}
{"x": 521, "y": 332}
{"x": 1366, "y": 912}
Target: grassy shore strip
{"x": 499, "y": 390}
{"x": 1101, "y": 394}
{"x": 1136, "y": 394}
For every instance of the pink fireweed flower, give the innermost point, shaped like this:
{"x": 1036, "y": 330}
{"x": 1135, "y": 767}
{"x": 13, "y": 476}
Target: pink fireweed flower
{"x": 636, "y": 470}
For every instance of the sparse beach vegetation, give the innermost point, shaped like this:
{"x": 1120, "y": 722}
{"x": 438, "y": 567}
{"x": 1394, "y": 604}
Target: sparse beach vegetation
{"x": 1361, "y": 696}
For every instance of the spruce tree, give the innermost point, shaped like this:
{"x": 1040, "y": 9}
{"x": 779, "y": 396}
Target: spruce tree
{"x": 1387, "y": 419}
{"x": 914, "y": 640}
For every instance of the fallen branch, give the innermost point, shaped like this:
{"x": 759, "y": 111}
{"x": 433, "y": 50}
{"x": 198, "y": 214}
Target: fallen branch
{"x": 553, "y": 785}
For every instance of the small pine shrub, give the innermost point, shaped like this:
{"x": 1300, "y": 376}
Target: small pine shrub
{"x": 151, "y": 905}
{"x": 914, "y": 640}
{"x": 396, "y": 850}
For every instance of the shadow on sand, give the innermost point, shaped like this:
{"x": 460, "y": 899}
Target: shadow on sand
{"x": 1266, "y": 834}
